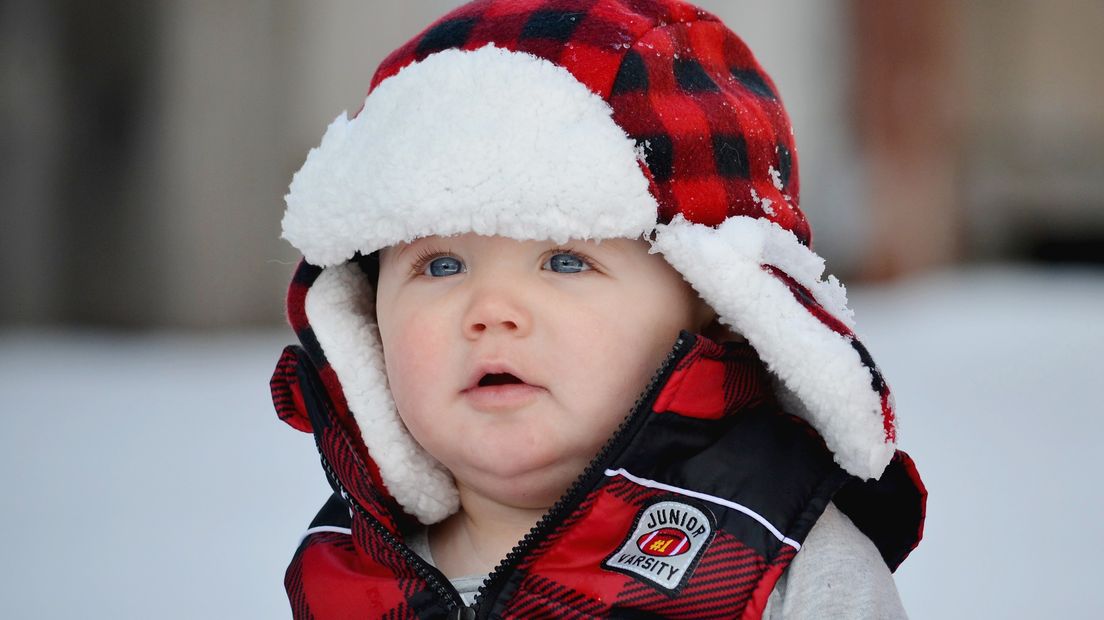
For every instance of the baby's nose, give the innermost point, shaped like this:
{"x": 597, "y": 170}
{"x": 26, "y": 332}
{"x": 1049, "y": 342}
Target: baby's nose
{"x": 497, "y": 310}
{"x": 482, "y": 326}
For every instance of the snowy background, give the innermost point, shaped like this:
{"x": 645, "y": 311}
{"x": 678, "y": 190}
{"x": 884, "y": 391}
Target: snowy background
{"x": 146, "y": 473}
{"x": 148, "y": 477}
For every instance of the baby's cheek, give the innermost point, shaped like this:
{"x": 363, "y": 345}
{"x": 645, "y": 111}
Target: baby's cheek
{"x": 409, "y": 359}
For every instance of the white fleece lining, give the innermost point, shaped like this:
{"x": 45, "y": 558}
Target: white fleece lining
{"x": 339, "y": 307}
{"x": 818, "y": 365}
{"x": 488, "y": 141}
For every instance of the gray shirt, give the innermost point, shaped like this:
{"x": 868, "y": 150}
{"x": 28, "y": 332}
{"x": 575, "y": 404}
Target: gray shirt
{"x": 838, "y": 573}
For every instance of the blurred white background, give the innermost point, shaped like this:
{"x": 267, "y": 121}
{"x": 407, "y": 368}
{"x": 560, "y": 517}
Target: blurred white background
{"x": 952, "y": 163}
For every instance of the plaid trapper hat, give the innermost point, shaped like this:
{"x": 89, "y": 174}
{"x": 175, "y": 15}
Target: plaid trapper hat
{"x": 584, "y": 119}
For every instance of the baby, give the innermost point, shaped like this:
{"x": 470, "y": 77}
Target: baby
{"x": 566, "y": 350}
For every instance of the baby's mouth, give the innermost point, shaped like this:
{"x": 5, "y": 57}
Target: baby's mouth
{"x": 498, "y": 378}
{"x": 499, "y": 390}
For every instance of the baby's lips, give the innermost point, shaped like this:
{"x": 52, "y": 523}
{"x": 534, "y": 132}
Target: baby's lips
{"x": 493, "y": 368}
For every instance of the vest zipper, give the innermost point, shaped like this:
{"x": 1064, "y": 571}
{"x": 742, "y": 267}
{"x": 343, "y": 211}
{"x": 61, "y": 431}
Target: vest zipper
{"x": 494, "y": 583}
{"x": 433, "y": 577}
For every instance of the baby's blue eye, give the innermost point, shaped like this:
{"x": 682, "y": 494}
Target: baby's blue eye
{"x": 444, "y": 266}
{"x": 566, "y": 263}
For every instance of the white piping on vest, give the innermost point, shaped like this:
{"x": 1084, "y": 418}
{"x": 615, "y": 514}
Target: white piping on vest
{"x": 652, "y": 484}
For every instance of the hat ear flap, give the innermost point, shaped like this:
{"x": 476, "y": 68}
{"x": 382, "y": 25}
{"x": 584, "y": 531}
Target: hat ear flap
{"x": 287, "y": 395}
{"x": 767, "y": 286}
{"x": 339, "y": 307}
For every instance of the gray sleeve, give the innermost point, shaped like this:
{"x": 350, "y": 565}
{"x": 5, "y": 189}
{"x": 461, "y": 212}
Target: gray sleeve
{"x": 838, "y": 573}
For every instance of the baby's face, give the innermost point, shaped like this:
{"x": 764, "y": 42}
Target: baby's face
{"x": 512, "y": 362}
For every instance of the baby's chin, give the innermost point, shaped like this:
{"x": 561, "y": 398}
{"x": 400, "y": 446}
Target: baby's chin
{"x": 522, "y": 483}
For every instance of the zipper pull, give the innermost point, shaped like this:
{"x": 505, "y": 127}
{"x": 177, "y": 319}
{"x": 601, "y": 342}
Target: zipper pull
{"x": 464, "y": 612}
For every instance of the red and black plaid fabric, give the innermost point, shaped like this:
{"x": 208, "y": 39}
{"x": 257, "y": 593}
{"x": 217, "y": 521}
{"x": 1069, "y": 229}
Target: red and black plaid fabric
{"x": 335, "y": 429}
{"x": 743, "y": 384}
{"x": 721, "y": 585}
{"x": 709, "y": 120}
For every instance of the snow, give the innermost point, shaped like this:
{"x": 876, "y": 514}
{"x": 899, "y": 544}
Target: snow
{"x": 776, "y": 176}
{"x": 147, "y": 475}
{"x": 994, "y": 374}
